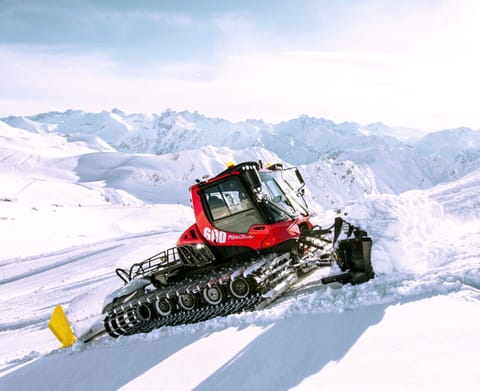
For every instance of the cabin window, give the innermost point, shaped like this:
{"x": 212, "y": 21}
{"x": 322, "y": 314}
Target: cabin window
{"x": 230, "y": 208}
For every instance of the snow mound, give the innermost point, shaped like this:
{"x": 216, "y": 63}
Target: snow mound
{"x": 408, "y": 231}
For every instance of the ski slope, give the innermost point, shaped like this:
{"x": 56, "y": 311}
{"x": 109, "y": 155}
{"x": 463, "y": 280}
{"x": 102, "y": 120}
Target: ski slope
{"x": 65, "y": 228}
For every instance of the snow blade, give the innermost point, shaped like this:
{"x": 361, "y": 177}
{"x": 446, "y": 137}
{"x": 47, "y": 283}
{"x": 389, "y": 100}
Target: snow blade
{"x": 60, "y": 327}
{"x": 354, "y": 259}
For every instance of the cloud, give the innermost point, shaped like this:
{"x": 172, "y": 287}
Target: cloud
{"x": 416, "y": 68}
{"x": 274, "y": 86}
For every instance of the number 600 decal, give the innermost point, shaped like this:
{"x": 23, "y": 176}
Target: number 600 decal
{"x": 214, "y": 235}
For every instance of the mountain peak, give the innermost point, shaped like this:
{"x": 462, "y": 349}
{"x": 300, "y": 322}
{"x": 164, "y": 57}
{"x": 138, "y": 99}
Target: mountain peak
{"x": 118, "y": 112}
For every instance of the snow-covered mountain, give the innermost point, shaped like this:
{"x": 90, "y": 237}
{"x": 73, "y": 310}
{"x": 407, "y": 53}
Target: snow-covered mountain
{"x": 166, "y": 177}
{"x": 399, "y": 160}
{"x": 299, "y": 141}
{"x": 83, "y": 193}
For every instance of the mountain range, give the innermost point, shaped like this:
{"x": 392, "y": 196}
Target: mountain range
{"x": 375, "y": 156}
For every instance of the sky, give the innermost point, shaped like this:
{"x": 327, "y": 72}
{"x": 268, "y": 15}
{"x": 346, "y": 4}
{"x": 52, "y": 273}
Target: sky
{"x": 409, "y": 63}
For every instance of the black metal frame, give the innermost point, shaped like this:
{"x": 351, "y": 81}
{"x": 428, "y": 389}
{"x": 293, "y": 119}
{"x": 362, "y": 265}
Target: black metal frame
{"x": 168, "y": 260}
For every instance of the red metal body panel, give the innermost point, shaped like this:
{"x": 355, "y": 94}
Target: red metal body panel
{"x": 190, "y": 236}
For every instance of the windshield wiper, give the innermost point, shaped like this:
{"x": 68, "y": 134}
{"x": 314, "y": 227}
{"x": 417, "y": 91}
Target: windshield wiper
{"x": 279, "y": 208}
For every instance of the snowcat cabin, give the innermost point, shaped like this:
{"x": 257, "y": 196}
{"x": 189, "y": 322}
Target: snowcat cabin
{"x": 247, "y": 209}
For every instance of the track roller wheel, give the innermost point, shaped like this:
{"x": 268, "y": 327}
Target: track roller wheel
{"x": 163, "y": 306}
{"x": 143, "y": 312}
{"x": 213, "y": 295}
{"x": 239, "y": 288}
{"x": 186, "y": 301}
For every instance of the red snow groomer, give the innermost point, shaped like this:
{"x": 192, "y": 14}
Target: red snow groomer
{"x": 251, "y": 241}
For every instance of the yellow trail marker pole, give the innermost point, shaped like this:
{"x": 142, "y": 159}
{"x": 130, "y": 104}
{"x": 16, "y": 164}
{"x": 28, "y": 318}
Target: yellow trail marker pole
{"x": 61, "y": 328}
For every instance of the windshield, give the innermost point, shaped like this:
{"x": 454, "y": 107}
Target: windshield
{"x": 283, "y": 189}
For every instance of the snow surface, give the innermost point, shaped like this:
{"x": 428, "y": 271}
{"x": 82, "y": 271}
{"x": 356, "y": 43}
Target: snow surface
{"x": 72, "y": 209}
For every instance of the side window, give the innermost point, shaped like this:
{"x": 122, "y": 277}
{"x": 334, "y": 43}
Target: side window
{"x": 230, "y": 208}
{"x": 216, "y": 203}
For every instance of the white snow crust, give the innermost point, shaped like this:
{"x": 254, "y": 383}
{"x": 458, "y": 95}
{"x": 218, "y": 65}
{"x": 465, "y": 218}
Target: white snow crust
{"x": 84, "y": 193}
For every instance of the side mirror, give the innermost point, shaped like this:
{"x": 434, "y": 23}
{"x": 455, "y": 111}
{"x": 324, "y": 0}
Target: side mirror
{"x": 299, "y": 177}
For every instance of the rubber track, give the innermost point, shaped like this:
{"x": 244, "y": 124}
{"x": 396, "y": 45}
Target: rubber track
{"x": 200, "y": 314}
{"x": 123, "y": 320}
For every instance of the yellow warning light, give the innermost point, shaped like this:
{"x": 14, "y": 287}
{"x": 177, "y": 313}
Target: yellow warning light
{"x": 230, "y": 164}
{"x": 268, "y": 165}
